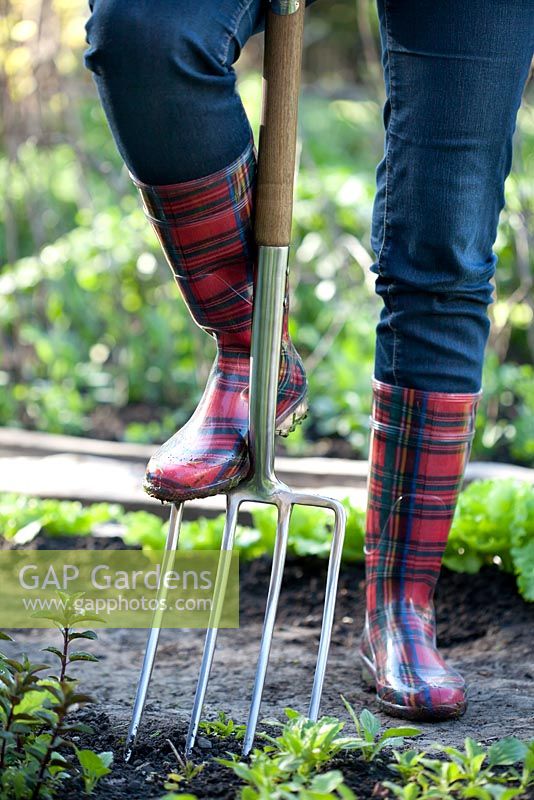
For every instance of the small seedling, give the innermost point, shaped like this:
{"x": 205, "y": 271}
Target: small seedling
{"x": 411, "y": 791}
{"x": 223, "y": 727}
{"x": 370, "y": 740}
{"x": 407, "y": 763}
{"x": 304, "y": 744}
{"x": 94, "y": 766}
{"x": 67, "y": 622}
{"x": 187, "y": 770}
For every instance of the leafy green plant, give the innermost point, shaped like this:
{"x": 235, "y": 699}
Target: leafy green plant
{"x": 288, "y": 764}
{"x": 223, "y": 727}
{"x": 494, "y": 523}
{"x": 294, "y": 763}
{"x": 67, "y": 621}
{"x": 524, "y": 777}
{"x": 370, "y": 739}
{"x": 291, "y": 764}
{"x": 266, "y": 779}
{"x": 31, "y": 762}
{"x": 18, "y": 678}
{"x": 310, "y": 530}
{"x": 410, "y": 791}
{"x": 53, "y": 517}
{"x": 407, "y": 763}
{"x": 36, "y": 726}
{"x": 94, "y": 766}
{"x": 145, "y": 529}
{"x": 467, "y": 773}
{"x": 304, "y": 745}
{"x": 326, "y": 785}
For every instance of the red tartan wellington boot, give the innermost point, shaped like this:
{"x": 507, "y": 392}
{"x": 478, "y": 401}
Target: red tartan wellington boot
{"x": 205, "y": 229}
{"x": 419, "y": 449}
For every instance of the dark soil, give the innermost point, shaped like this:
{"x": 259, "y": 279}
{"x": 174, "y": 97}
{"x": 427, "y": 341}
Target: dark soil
{"x": 484, "y": 628}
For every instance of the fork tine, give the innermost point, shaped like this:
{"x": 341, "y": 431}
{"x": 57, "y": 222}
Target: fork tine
{"x": 279, "y": 557}
{"x": 171, "y": 545}
{"x": 334, "y": 562}
{"x": 232, "y": 505}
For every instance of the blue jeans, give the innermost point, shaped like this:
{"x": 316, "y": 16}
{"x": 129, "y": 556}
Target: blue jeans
{"x": 454, "y": 73}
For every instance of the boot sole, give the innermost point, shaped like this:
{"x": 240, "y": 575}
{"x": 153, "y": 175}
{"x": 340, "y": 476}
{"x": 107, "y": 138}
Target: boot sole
{"x": 167, "y": 496}
{"x": 286, "y": 426}
{"x": 409, "y": 712}
{"x": 293, "y": 419}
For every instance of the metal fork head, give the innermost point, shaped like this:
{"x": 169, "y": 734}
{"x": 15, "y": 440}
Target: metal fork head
{"x": 279, "y": 495}
{"x": 284, "y": 499}
{"x": 262, "y": 487}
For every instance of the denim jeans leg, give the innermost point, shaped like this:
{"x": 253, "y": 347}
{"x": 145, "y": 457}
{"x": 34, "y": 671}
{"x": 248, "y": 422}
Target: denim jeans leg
{"x": 454, "y": 75}
{"x": 165, "y": 78}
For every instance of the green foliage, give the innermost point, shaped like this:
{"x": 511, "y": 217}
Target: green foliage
{"x": 94, "y": 766}
{"x": 66, "y": 621}
{"x": 36, "y": 727}
{"x": 494, "y": 524}
{"x": 292, "y": 764}
{"x": 505, "y": 421}
{"x": 467, "y": 773}
{"x": 310, "y": 530}
{"x": 135, "y": 365}
{"x": 287, "y": 766}
{"x": 173, "y": 795}
{"x": 145, "y": 529}
{"x": 223, "y": 727}
{"x": 305, "y": 746}
{"x": 20, "y": 514}
{"x": 370, "y": 739}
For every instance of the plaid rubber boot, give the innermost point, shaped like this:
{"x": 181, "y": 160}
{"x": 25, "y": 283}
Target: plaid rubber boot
{"x": 420, "y": 445}
{"x": 205, "y": 229}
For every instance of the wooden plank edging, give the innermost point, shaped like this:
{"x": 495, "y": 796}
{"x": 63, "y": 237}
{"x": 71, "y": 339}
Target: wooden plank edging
{"x": 91, "y": 470}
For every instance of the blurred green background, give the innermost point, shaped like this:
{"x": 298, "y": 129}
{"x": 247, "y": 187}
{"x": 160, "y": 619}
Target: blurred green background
{"x": 95, "y": 339}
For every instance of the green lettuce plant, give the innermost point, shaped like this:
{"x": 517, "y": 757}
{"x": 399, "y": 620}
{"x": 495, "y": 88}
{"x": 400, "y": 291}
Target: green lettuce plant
{"x": 493, "y": 525}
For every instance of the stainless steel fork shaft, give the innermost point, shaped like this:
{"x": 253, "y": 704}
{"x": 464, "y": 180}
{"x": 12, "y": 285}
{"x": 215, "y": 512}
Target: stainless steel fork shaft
{"x": 264, "y": 371}
{"x": 269, "y": 294}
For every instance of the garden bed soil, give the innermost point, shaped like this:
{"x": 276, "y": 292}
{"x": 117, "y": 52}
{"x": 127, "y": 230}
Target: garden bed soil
{"x": 484, "y": 628}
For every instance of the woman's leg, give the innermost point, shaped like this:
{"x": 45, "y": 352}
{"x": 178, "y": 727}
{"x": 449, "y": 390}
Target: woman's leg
{"x": 165, "y": 76}
{"x": 164, "y": 73}
{"x": 454, "y": 74}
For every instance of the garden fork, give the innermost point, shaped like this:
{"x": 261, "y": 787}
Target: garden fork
{"x": 274, "y": 202}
